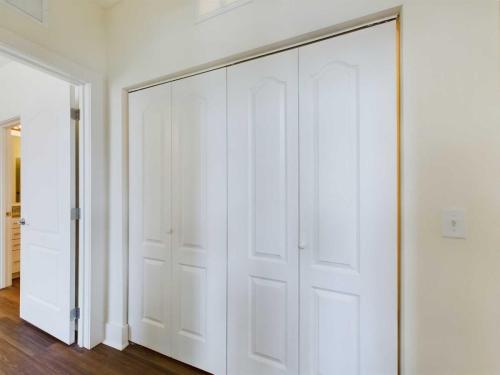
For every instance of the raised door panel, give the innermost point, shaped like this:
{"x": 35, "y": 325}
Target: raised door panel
{"x": 268, "y": 328}
{"x": 200, "y": 221}
{"x": 193, "y": 295}
{"x": 267, "y": 143}
{"x": 348, "y": 187}
{"x": 150, "y": 218}
{"x": 263, "y": 216}
{"x": 336, "y": 343}
{"x": 336, "y": 138}
{"x": 191, "y": 125}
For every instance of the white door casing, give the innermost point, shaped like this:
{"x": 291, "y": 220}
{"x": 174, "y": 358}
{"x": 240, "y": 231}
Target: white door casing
{"x": 150, "y": 274}
{"x": 199, "y": 202}
{"x": 348, "y": 204}
{"x": 48, "y": 194}
{"x": 263, "y": 216}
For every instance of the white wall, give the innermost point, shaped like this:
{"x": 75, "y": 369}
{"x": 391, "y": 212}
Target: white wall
{"x": 23, "y": 89}
{"x": 75, "y": 30}
{"x": 450, "y": 150}
{"x": 451, "y": 156}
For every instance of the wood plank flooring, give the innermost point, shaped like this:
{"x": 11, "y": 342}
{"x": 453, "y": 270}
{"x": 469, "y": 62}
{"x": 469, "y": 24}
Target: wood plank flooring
{"x": 25, "y": 349}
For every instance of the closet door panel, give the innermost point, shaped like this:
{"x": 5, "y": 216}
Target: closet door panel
{"x": 200, "y": 221}
{"x": 348, "y": 192}
{"x": 263, "y": 216}
{"x": 150, "y": 218}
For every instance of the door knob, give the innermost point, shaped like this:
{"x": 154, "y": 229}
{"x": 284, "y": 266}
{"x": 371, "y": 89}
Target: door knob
{"x": 22, "y": 221}
{"x": 302, "y": 242}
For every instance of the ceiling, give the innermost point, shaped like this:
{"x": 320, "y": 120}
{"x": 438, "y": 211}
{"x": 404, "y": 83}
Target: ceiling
{"x": 107, "y": 3}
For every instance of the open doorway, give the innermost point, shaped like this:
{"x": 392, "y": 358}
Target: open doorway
{"x": 92, "y": 182}
{"x": 12, "y": 198}
{"x": 40, "y": 208}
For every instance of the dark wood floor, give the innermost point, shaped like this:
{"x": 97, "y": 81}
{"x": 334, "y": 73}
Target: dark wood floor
{"x": 25, "y": 349}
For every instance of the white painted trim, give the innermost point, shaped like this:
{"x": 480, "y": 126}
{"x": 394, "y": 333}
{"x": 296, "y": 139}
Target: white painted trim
{"x": 93, "y": 256}
{"x": 117, "y": 335}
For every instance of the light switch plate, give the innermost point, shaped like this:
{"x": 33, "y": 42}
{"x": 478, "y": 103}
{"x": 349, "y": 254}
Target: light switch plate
{"x": 453, "y": 223}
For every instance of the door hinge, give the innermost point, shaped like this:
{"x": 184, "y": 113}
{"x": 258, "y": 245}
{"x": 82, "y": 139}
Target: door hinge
{"x": 76, "y": 213}
{"x": 74, "y": 313}
{"x": 75, "y": 114}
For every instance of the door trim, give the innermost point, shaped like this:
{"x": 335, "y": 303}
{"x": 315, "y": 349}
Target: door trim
{"x": 389, "y": 15}
{"x": 399, "y": 190}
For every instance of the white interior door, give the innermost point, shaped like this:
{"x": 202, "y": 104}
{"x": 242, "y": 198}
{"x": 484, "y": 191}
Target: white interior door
{"x": 150, "y": 276}
{"x": 348, "y": 190}
{"x": 200, "y": 221}
{"x": 263, "y": 216}
{"x": 48, "y": 195}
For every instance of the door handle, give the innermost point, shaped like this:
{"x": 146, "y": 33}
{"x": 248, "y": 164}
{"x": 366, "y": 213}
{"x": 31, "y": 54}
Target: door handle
{"x": 22, "y": 221}
{"x": 302, "y": 241}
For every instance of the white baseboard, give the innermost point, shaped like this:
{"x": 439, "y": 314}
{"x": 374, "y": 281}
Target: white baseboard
{"x": 116, "y": 335}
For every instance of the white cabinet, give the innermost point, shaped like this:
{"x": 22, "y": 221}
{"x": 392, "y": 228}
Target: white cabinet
{"x": 285, "y": 219}
{"x": 263, "y": 216}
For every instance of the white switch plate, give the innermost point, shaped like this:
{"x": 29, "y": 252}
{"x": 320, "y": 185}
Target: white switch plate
{"x": 453, "y": 223}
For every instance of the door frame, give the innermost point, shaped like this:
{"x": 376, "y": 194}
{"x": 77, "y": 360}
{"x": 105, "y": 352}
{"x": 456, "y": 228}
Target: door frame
{"x": 389, "y": 15}
{"x": 5, "y": 257}
{"x": 92, "y": 184}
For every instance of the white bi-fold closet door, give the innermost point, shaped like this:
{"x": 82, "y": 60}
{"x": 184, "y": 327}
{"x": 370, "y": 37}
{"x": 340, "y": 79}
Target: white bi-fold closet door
{"x": 263, "y": 289}
{"x": 316, "y": 295}
{"x": 348, "y": 204}
{"x": 287, "y": 220}
{"x": 178, "y": 250}
{"x": 150, "y": 254}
